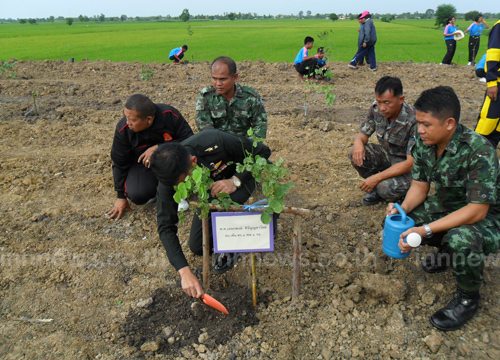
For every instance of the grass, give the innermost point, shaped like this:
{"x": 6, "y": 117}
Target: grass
{"x": 268, "y": 40}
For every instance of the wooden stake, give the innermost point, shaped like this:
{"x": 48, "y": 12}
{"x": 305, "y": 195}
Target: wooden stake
{"x": 206, "y": 254}
{"x": 254, "y": 280}
{"x": 297, "y": 239}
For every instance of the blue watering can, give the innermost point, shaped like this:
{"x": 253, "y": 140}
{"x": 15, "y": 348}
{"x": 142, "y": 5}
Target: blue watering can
{"x": 395, "y": 225}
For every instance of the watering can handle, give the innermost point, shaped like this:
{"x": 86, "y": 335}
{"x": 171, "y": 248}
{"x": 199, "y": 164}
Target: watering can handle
{"x": 401, "y": 212}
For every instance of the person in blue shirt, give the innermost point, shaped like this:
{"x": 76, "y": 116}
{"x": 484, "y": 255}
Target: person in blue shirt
{"x": 177, "y": 54}
{"x": 480, "y": 73}
{"x": 322, "y": 64}
{"x": 304, "y": 64}
{"x": 476, "y": 28}
{"x": 451, "y": 44}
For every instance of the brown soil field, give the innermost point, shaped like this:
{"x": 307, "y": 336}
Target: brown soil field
{"x": 76, "y": 285}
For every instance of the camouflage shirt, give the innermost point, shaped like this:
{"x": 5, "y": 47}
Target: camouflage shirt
{"x": 398, "y": 137}
{"x": 244, "y": 111}
{"x": 466, "y": 172}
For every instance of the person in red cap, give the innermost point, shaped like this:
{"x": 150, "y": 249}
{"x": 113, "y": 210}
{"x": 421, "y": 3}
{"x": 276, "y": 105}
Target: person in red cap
{"x": 366, "y": 42}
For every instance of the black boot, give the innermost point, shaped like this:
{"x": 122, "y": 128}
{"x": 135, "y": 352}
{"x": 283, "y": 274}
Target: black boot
{"x": 437, "y": 262}
{"x": 461, "y": 308}
{"x": 371, "y": 198}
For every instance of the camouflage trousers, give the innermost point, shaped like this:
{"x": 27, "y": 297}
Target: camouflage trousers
{"x": 377, "y": 159}
{"x": 465, "y": 245}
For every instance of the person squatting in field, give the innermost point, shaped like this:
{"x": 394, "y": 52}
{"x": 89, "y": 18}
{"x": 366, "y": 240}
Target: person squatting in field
{"x": 462, "y": 216}
{"x": 137, "y": 135}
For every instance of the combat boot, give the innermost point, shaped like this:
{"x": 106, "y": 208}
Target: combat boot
{"x": 461, "y": 308}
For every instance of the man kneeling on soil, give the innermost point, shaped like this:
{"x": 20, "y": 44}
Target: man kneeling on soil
{"x": 172, "y": 162}
{"x": 144, "y": 126}
{"x": 462, "y": 218}
{"x": 385, "y": 167}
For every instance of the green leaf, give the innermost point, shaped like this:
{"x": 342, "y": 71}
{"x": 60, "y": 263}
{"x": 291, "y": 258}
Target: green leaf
{"x": 222, "y": 195}
{"x": 266, "y": 218}
{"x": 177, "y": 197}
{"x": 276, "y": 205}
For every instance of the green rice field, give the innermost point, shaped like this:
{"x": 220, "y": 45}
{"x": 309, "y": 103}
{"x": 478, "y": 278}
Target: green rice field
{"x": 268, "y": 40}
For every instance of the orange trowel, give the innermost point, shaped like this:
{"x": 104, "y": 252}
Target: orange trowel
{"x": 210, "y": 301}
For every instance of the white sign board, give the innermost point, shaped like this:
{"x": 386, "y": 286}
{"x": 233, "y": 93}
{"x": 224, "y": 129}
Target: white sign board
{"x": 241, "y": 232}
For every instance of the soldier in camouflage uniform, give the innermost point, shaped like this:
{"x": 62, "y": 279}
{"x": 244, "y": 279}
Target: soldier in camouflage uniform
{"x": 229, "y": 106}
{"x": 386, "y": 167}
{"x": 462, "y": 217}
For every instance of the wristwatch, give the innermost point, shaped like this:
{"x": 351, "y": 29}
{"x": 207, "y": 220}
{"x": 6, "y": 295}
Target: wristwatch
{"x": 236, "y": 182}
{"x": 428, "y": 231}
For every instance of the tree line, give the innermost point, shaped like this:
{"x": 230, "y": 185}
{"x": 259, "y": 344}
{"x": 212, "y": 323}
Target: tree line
{"x": 440, "y": 14}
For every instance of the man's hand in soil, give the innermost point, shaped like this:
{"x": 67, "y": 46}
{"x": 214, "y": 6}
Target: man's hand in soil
{"x": 146, "y": 155}
{"x": 118, "y": 209}
{"x": 223, "y": 186}
{"x": 190, "y": 283}
{"x": 493, "y": 93}
{"x": 358, "y": 153}
{"x": 369, "y": 183}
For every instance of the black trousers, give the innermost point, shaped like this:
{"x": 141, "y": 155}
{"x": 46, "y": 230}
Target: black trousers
{"x": 451, "y": 46}
{"x": 307, "y": 67}
{"x": 474, "y": 42}
{"x": 141, "y": 184}
{"x": 174, "y": 59}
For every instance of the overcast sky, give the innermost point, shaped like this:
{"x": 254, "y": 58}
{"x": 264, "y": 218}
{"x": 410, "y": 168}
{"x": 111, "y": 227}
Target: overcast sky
{"x": 72, "y": 8}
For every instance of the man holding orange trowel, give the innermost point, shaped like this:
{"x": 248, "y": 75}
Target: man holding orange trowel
{"x": 220, "y": 151}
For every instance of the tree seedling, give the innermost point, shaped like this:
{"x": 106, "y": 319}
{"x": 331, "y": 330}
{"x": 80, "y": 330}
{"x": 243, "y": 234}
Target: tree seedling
{"x": 7, "y": 69}
{"x": 146, "y": 74}
{"x": 34, "y": 109}
{"x": 269, "y": 175}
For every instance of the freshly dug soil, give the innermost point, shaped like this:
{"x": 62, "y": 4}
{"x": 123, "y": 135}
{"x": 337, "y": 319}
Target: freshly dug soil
{"x": 76, "y": 285}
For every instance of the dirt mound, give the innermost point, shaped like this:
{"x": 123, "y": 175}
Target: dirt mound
{"x": 75, "y": 285}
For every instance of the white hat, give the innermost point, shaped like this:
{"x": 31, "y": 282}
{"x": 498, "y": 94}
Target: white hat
{"x": 459, "y": 36}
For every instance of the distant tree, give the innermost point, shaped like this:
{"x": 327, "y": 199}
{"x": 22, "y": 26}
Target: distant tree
{"x": 123, "y": 18}
{"x": 32, "y": 21}
{"x": 429, "y": 13}
{"x": 471, "y": 15}
{"x": 51, "y": 19}
{"x": 81, "y": 18}
{"x": 443, "y": 12}
{"x": 308, "y": 13}
{"x": 231, "y": 16}
{"x": 301, "y": 14}
{"x": 352, "y": 16}
{"x": 185, "y": 15}
{"x": 102, "y": 17}
{"x": 22, "y": 21}
{"x": 333, "y": 17}
{"x": 385, "y": 19}
{"x": 69, "y": 21}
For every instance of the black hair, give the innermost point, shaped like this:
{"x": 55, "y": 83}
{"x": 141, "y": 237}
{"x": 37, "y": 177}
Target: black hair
{"x": 185, "y": 47}
{"x": 169, "y": 161}
{"x": 231, "y": 65}
{"x": 450, "y": 18}
{"x": 321, "y": 50}
{"x": 478, "y": 16}
{"x": 359, "y": 16}
{"x": 390, "y": 83}
{"x": 308, "y": 39}
{"x": 441, "y": 102}
{"x": 142, "y": 104}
